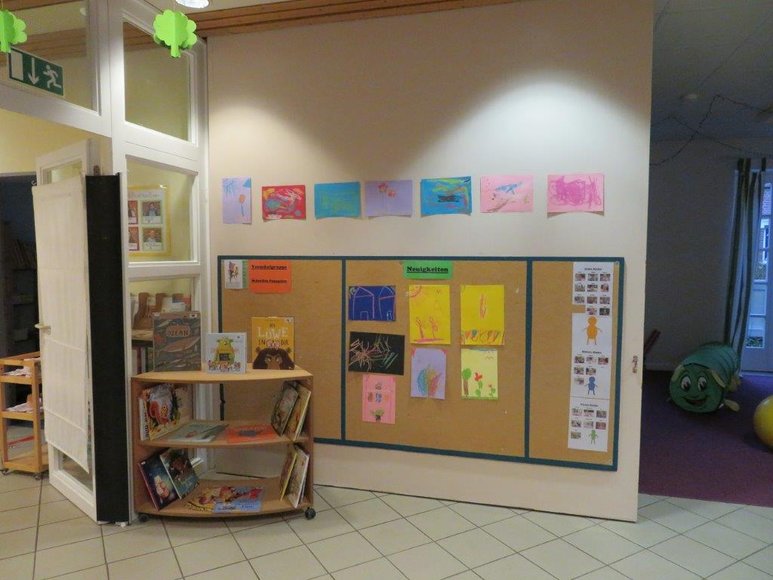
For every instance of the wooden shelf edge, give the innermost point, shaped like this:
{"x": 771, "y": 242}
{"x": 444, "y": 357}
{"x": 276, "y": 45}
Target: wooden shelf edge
{"x": 221, "y": 440}
{"x": 19, "y": 416}
{"x": 16, "y": 379}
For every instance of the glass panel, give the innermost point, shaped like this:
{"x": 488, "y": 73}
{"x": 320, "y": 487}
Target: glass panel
{"x": 767, "y": 194}
{"x": 159, "y": 213}
{"x": 58, "y": 35}
{"x": 755, "y": 332}
{"x": 157, "y": 85}
{"x": 758, "y": 300}
{"x": 761, "y": 267}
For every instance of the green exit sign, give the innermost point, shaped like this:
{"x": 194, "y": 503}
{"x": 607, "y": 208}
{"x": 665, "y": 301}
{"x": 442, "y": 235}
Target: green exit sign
{"x": 36, "y": 72}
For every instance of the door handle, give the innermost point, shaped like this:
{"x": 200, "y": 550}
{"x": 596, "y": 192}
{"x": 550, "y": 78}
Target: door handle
{"x": 43, "y": 327}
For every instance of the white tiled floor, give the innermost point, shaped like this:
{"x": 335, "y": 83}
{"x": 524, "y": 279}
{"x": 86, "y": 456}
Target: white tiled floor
{"x": 364, "y": 535}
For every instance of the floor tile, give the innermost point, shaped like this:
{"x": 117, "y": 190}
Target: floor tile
{"x": 440, "y": 523}
{"x": 17, "y": 567}
{"x": 602, "y": 544}
{"x": 645, "y": 532}
{"x": 320, "y": 504}
{"x": 340, "y": 496}
{"x": 368, "y": 513}
{"x": 648, "y": 566}
{"x": 69, "y": 558}
{"x": 98, "y": 573}
{"x": 343, "y": 551}
{"x": 325, "y": 525}
{"x": 480, "y": 515}
{"x": 238, "y": 571}
{"x": 16, "y": 481}
{"x": 692, "y": 555}
{"x": 137, "y": 541}
{"x": 395, "y": 536}
{"x": 726, "y": 540}
{"x": 467, "y": 575}
{"x": 112, "y": 529}
{"x": 208, "y": 554}
{"x": 766, "y": 512}
{"x": 158, "y": 565}
{"x": 58, "y": 511}
{"x": 707, "y": 509}
{"x": 645, "y": 499}
{"x": 48, "y": 494}
{"x": 67, "y": 532}
{"x": 293, "y": 564}
{"x": 603, "y": 574}
{"x": 672, "y": 516}
{"x": 266, "y": 539}
{"x": 17, "y": 543}
{"x": 428, "y": 562}
{"x": 382, "y": 569}
{"x": 408, "y": 506}
{"x": 19, "y": 519}
{"x": 750, "y": 524}
{"x": 475, "y": 548}
{"x": 558, "y": 524}
{"x": 184, "y": 531}
{"x": 562, "y": 559}
{"x": 519, "y": 533}
{"x": 762, "y": 560}
{"x": 515, "y": 566}
{"x": 11, "y": 500}
{"x": 740, "y": 571}
{"x": 238, "y": 524}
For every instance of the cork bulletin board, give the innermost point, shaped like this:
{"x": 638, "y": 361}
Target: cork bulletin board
{"x": 531, "y": 419}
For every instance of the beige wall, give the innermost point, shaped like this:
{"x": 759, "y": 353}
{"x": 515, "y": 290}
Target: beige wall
{"x": 535, "y": 87}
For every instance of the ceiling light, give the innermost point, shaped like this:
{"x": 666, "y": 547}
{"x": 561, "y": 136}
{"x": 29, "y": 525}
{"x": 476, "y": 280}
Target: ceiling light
{"x": 194, "y": 3}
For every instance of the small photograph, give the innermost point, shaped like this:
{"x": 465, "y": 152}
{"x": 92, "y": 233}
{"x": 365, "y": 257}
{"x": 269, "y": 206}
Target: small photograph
{"x": 580, "y": 276}
{"x": 601, "y": 425}
{"x": 593, "y": 277}
{"x": 133, "y": 211}
{"x": 605, "y": 300}
{"x": 151, "y": 212}
{"x": 604, "y": 311}
{"x": 579, "y": 359}
{"x": 579, "y": 370}
{"x": 587, "y": 424}
{"x": 588, "y": 413}
{"x": 592, "y": 299}
{"x": 592, "y": 288}
{"x": 579, "y": 287}
{"x": 591, "y": 311}
{"x": 576, "y": 412}
{"x": 605, "y": 277}
{"x": 134, "y": 239}
{"x": 604, "y": 287}
{"x": 601, "y": 414}
{"x": 590, "y": 371}
{"x": 579, "y": 381}
{"x": 575, "y": 434}
{"x": 590, "y": 359}
{"x": 603, "y": 360}
{"x": 576, "y": 423}
{"x": 579, "y": 299}
{"x": 152, "y": 240}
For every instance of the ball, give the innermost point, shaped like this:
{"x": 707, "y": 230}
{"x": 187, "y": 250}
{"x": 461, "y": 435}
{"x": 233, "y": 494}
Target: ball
{"x": 763, "y": 421}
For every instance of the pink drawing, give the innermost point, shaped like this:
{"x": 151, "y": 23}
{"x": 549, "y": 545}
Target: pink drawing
{"x": 506, "y": 193}
{"x": 575, "y": 192}
{"x": 378, "y": 399}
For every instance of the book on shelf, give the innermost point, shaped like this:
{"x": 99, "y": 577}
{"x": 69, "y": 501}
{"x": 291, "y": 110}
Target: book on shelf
{"x": 176, "y": 341}
{"x": 226, "y": 352}
{"x": 249, "y": 433}
{"x": 196, "y": 432}
{"x": 160, "y": 487}
{"x": 162, "y": 409}
{"x": 287, "y": 469}
{"x": 298, "y": 414}
{"x": 284, "y": 407}
{"x": 298, "y": 477}
{"x": 178, "y": 467}
{"x": 273, "y": 342}
{"x": 227, "y": 499}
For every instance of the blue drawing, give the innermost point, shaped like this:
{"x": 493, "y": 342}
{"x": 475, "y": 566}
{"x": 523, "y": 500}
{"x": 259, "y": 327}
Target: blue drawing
{"x": 591, "y": 385}
{"x": 337, "y": 200}
{"x": 372, "y": 303}
{"x": 446, "y": 196}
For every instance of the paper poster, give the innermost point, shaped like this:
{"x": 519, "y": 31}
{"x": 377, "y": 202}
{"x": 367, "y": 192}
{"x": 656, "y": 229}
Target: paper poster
{"x": 270, "y": 276}
{"x": 237, "y": 200}
{"x": 234, "y": 274}
{"x": 428, "y": 373}
{"x": 284, "y": 202}
{"x": 591, "y": 355}
{"x": 576, "y": 192}
{"x": 506, "y": 193}
{"x": 588, "y": 425}
{"x": 483, "y": 314}
{"x": 337, "y": 200}
{"x": 429, "y": 308}
{"x": 480, "y": 374}
{"x": 446, "y": 196}
{"x": 149, "y": 228}
{"x": 371, "y": 352}
{"x": 371, "y": 303}
{"x": 593, "y": 287}
{"x": 384, "y": 198}
{"x": 428, "y": 269}
{"x": 378, "y": 399}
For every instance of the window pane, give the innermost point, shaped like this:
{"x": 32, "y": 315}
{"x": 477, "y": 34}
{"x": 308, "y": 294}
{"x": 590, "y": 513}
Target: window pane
{"x": 157, "y": 85}
{"x": 159, "y": 213}
{"x": 761, "y": 267}
{"x": 57, "y": 34}
{"x": 758, "y": 300}
{"x": 755, "y": 332}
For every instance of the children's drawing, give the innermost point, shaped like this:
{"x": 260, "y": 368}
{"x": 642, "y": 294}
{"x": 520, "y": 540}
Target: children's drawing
{"x": 575, "y": 192}
{"x": 337, "y": 200}
{"x": 371, "y": 352}
{"x": 428, "y": 373}
{"x": 284, "y": 202}
{"x": 372, "y": 303}
{"x": 378, "y": 399}
{"x": 483, "y": 314}
{"x": 506, "y": 193}
{"x": 446, "y": 195}
{"x": 234, "y": 274}
{"x": 479, "y": 374}
{"x": 389, "y": 198}
{"x": 429, "y": 308}
{"x": 237, "y": 200}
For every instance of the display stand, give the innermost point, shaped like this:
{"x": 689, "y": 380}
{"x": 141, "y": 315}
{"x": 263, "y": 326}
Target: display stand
{"x": 263, "y": 387}
{"x": 36, "y": 460}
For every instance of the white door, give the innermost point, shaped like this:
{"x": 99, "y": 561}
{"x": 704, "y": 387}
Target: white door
{"x": 60, "y": 233}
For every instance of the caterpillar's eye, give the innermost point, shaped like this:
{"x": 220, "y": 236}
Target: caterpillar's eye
{"x": 702, "y": 383}
{"x": 686, "y": 383}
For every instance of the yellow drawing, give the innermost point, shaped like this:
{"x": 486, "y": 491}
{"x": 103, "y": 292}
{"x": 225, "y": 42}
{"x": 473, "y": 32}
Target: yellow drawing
{"x": 483, "y": 315}
{"x": 430, "y": 313}
{"x": 592, "y": 331}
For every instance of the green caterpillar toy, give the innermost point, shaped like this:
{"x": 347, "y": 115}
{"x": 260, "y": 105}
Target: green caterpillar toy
{"x": 703, "y": 380}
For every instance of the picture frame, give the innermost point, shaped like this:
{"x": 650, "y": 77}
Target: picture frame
{"x": 148, "y": 221}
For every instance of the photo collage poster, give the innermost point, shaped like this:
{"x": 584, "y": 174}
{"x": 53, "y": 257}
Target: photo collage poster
{"x": 147, "y": 221}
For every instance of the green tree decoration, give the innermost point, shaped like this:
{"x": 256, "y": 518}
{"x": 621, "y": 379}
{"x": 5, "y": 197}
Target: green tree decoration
{"x": 11, "y": 30}
{"x": 175, "y": 30}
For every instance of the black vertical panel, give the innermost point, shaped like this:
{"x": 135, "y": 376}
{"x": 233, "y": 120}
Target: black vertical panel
{"x": 103, "y": 223}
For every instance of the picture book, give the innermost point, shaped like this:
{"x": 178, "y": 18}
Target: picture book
{"x": 298, "y": 414}
{"x": 162, "y": 409}
{"x": 287, "y": 470}
{"x": 227, "y": 499}
{"x": 180, "y": 470}
{"x": 250, "y": 433}
{"x": 176, "y": 341}
{"x": 273, "y": 342}
{"x": 196, "y": 432}
{"x": 298, "y": 477}
{"x": 226, "y": 352}
{"x": 160, "y": 487}
{"x": 283, "y": 408}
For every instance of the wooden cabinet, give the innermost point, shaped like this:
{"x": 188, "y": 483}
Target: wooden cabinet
{"x": 262, "y": 388}
{"x": 36, "y": 460}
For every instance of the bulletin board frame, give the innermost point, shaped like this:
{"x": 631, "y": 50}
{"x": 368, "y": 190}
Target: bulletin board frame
{"x": 536, "y": 437}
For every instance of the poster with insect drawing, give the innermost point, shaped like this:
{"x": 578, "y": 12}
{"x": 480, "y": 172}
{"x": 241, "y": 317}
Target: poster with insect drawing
{"x": 371, "y": 352}
{"x": 446, "y": 196}
{"x": 480, "y": 374}
{"x": 383, "y": 198}
{"x": 506, "y": 193}
{"x": 428, "y": 373}
{"x": 237, "y": 200}
{"x": 576, "y": 192}
{"x": 429, "y": 307}
{"x": 337, "y": 200}
{"x": 284, "y": 202}
{"x": 378, "y": 399}
{"x": 483, "y": 314}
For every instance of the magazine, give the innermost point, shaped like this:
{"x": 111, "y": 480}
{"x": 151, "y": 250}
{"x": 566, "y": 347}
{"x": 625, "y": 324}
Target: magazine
{"x": 196, "y": 432}
{"x": 180, "y": 470}
{"x": 283, "y": 408}
{"x": 226, "y": 352}
{"x": 298, "y": 477}
{"x": 176, "y": 341}
{"x": 298, "y": 415}
{"x": 250, "y": 433}
{"x": 160, "y": 487}
{"x": 162, "y": 409}
{"x": 227, "y": 499}
{"x": 273, "y": 342}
